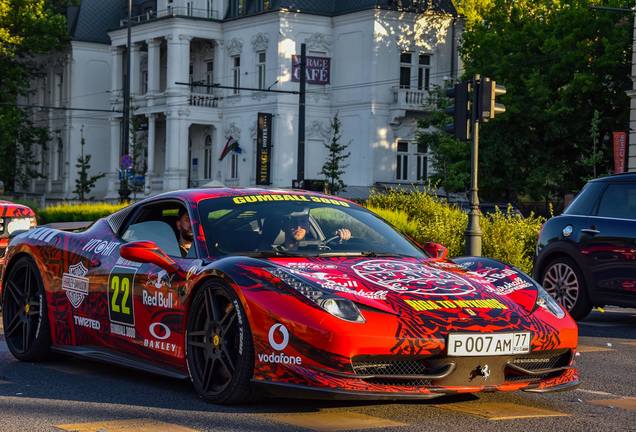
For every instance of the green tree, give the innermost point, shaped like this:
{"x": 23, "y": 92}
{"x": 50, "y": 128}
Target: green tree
{"x": 560, "y": 61}
{"x": 27, "y": 28}
{"x": 450, "y": 155}
{"x": 473, "y": 11}
{"x": 333, "y": 168}
{"x": 83, "y": 183}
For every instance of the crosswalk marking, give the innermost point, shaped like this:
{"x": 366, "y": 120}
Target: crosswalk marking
{"x": 628, "y": 403}
{"x": 630, "y": 343}
{"x": 592, "y": 348}
{"x": 334, "y": 421}
{"x": 500, "y": 410}
{"x": 136, "y": 425}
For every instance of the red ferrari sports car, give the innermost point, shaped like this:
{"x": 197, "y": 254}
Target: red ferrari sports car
{"x": 296, "y": 292}
{"x": 13, "y": 218}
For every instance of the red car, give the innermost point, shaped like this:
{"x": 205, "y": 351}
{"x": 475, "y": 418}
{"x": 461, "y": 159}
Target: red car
{"x": 13, "y": 218}
{"x": 295, "y": 292}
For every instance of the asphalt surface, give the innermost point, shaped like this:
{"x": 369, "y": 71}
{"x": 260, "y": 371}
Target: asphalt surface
{"x": 88, "y": 396}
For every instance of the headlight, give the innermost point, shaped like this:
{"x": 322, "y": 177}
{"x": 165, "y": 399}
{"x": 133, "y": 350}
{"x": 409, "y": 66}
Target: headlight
{"x": 337, "y": 306}
{"x": 19, "y": 224}
{"x": 546, "y": 301}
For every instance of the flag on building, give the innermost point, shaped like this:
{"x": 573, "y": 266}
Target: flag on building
{"x": 230, "y": 145}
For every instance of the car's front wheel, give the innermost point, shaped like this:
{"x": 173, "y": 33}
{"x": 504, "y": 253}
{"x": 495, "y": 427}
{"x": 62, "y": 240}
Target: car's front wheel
{"x": 564, "y": 281}
{"x": 25, "y": 320}
{"x": 220, "y": 352}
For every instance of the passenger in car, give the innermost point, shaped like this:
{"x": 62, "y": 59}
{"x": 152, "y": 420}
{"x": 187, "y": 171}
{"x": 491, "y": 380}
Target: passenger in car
{"x": 184, "y": 228}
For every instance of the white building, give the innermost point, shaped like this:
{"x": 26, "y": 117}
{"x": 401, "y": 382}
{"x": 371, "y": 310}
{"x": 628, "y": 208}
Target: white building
{"x": 383, "y": 56}
{"x": 78, "y": 77}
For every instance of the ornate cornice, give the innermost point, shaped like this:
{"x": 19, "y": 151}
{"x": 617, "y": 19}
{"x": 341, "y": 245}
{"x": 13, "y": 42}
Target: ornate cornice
{"x": 260, "y": 42}
{"x": 319, "y": 42}
{"x": 234, "y": 47}
{"x": 233, "y": 131}
{"x": 318, "y": 129}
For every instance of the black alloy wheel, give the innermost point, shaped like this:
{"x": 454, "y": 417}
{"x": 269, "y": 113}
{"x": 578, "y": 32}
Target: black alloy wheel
{"x": 25, "y": 321}
{"x": 219, "y": 348}
{"x": 563, "y": 280}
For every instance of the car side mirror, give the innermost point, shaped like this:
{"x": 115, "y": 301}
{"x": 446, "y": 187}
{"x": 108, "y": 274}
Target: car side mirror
{"x": 436, "y": 250}
{"x": 149, "y": 252}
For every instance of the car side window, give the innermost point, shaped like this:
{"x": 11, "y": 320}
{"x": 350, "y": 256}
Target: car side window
{"x": 619, "y": 201}
{"x": 585, "y": 201}
{"x": 164, "y": 224}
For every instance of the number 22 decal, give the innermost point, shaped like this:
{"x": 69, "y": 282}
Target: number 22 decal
{"x": 124, "y": 288}
{"x": 120, "y": 295}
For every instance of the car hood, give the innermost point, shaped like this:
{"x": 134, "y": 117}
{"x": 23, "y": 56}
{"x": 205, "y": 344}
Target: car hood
{"x": 9, "y": 209}
{"x": 465, "y": 289}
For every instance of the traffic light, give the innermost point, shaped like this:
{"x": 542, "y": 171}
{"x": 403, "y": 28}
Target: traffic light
{"x": 459, "y": 110}
{"x": 488, "y": 106}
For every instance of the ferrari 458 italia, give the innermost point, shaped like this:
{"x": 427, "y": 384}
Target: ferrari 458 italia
{"x": 296, "y": 293}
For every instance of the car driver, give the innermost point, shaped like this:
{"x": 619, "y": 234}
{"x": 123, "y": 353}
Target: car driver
{"x": 296, "y": 226}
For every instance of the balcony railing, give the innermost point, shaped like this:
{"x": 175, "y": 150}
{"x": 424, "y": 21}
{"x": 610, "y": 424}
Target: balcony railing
{"x": 407, "y": 98}
{"x": 177, "y": 11}
{"x": 204, "y": 100}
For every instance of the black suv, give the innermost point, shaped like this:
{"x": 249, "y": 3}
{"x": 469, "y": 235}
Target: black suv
{"x": 586, "y": 257}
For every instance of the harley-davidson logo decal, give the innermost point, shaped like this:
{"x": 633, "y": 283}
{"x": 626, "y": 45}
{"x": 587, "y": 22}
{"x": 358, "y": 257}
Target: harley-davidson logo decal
{"x": 413, "y": 278}
{"x": 75, "y": 284}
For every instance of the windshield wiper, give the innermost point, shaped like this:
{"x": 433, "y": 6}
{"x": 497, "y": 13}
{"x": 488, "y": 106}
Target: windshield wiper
{"x": 371, "y": 254}
{"x": 268, "y": 254}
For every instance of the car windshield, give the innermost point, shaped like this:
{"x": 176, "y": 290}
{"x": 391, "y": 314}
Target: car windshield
{"x": 297, "y": 225}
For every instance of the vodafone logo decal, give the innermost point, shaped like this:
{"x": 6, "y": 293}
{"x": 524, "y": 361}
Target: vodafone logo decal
{"x": 278, "y": 346}
{"x": 279, "y": 339}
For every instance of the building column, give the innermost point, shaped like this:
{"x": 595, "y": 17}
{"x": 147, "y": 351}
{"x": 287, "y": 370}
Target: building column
{"x": 176, "y": 163}
{"x": 115, "y": 144}
{"x": 154, "y": 65}
{"x": 151, "y": 153}
{"x": 178, "y": 64}
{"x": 135, "y": 69}
{"x": 116, "y": 86}
{"x": 219, "y": 63}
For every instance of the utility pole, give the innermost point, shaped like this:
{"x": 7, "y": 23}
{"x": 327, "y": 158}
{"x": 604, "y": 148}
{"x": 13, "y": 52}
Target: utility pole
{"x": 473, "y": 230}
{"x": 300, "y": 173}
{"x": 124, "y": 190}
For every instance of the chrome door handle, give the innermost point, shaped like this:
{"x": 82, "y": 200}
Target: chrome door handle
{"x": 590, "y": 231}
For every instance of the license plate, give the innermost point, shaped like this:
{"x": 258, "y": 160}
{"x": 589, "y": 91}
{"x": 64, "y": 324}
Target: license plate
{"x": 486, "y": 344}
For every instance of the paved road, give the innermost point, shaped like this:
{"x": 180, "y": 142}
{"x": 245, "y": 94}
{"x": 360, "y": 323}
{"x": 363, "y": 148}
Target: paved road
{"x": 83, "y": 396}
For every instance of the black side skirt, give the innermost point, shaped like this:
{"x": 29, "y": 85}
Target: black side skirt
{"x": 106, "y": 356}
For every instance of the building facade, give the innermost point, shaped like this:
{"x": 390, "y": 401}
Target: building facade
{"x": 197, "y": 67}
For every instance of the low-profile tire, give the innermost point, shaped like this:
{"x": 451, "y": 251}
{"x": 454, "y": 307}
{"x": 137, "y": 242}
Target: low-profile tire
{"x": 219, "y": 347}
{"x": 564, "y": 281}
{"x": 25, "y": 319}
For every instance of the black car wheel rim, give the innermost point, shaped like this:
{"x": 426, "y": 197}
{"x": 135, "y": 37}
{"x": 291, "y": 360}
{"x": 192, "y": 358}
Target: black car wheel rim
{"x": 213, "y": 341}
{"x": 561, "y": 282}
{"x": 23, "y": 304}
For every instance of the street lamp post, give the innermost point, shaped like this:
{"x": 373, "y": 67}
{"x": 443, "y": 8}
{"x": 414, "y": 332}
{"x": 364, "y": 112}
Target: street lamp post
{"x": 124, "y": 190}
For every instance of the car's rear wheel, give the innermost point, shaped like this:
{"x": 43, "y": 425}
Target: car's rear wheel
{"x": 564, "y": 281}
{"x": 220, "y": 352}
{"x": 25, "y": 320}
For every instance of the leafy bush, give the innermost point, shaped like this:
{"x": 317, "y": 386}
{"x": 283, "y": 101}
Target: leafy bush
{"x": 507, "y": 237}
{"x": 77, "y": 212}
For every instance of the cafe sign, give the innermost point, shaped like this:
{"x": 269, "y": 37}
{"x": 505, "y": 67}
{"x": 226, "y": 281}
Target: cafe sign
{"x": 318, "y": 70}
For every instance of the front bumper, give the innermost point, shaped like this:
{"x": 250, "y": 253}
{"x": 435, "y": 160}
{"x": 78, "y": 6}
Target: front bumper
{"x": 289, "y": 390}
{"x": 398, "y": 378}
